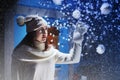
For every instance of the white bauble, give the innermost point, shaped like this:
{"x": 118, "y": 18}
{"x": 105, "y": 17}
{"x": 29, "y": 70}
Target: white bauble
{"x": 100, "y": 49}
{"x": 58, "y": 2}
{"x": 76, "y": 14}
{"x": 20, "y": 20}
{"x": 105, "y": 8}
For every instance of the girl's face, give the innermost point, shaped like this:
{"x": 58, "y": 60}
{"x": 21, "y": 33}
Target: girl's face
{"x": 41, "y": 34}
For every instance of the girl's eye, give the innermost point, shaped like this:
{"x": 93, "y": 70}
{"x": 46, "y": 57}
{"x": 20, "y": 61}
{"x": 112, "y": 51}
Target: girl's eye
{"x": 40, "y": 31}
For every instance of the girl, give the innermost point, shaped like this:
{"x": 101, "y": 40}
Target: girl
{"x": 33, "y": 59}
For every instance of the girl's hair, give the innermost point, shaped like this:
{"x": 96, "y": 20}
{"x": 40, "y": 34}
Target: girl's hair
{"x": 29, "y": 40}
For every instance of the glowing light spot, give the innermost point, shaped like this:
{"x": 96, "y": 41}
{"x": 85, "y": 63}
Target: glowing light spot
{"x": 53, "y": 35}
{"x": 50, "y": 33}
{"x": 100, "y": 49}
{"x": 86, "y": 53}
{"x": 51, "y": 40}
{"x": 58, "y": 44}
{"x": 68, "y": 39}
{"x": 62, "y": 46}
{"x": 63, "y": 38}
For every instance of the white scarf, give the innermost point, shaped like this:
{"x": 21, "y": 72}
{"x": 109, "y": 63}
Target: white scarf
{"x": 45, "y": 54}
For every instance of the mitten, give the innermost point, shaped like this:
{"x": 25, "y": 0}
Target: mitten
{"x": 79, "y": 34}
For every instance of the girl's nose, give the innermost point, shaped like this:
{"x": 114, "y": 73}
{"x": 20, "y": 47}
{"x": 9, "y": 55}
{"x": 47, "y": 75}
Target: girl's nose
{"x": 43, "y": 31}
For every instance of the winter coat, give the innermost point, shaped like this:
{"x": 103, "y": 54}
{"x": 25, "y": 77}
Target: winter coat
{"x": 31, "y": 64}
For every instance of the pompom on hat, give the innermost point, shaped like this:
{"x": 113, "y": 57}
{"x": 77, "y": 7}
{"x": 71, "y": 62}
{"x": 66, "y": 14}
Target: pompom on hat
{"x": 33, "y": 22}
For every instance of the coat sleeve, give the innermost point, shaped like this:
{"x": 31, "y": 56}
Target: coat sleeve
{"x": 69, "y": 58}
{"x": 75, "y": 52}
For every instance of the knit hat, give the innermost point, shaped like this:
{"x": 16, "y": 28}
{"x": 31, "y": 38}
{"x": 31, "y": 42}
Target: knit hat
{"x": 33, "y": 22}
